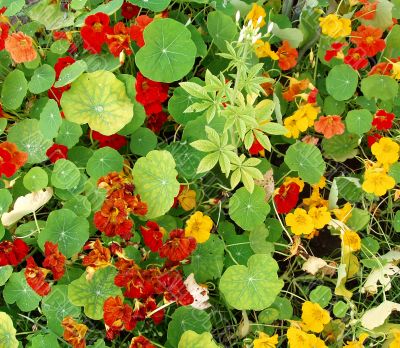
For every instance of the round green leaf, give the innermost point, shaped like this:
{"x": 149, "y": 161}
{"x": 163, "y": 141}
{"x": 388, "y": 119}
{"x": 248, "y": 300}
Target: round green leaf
{"x": 254, "y": 287}
{"x": 184, "y": 319}
{"x": 42, "y": 79}
{"x": 36, "y": 179}
{"x": 238, "y": 248}
{"x": 49, "y": 340}
{"x": 27, "y": 136}
{"x": 153, "y": 5}
{"x": 258, "y": 241}
{"x": 5, "y": 274}
{"x": 92, "y": 293}
{"x": 5, "y": 200}
{"x": 69, "y": 133}
{"x": 333, "y": 107}
{"x": 369, "y": 246}
{"x": 380, "y": 87}
{"x": 14, "y": 90}
{"x": 341, "y": 147}
{"x": 56, "y": 306}
{"x": 104, "y": 161}
{"x": 80, "y": 205}
{"x": 222, "y": 28}
{"x": 358, "y": 121}
{"x": 194, "y": 340}
{"x": 341, "y": 82}
{"x": 285, "y": 308}
{"x": 321, "y": 295}
{"x": 67, "y": 229}
{"x": 99, "y": 99}
{"x": 143, "y": 140}
{"x": 65, "y": 175}
{"x": 70, "y": 73}
{"x": 50, "y": 119}
{"x": 306, "y": 159}
{"x": 268, "y": 316}
{"x": 60, "y": 46}
{"x": 18, "y": 291}
{"x": 155, "y": 180}
{"x": 168, "y": 44}
{"x": 7, "y": 332}
{"x": 340, "y": 309}
{"x": 248, "y": 210}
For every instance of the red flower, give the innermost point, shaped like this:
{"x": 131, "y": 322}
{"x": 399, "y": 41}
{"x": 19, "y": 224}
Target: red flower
{"x": 335, "y": 50}
{"x": 372, "y": 139}
{"x": 54, "y": 260}
{"x": 98, "y": 257}
{"x": 171, "y": 284}
{"x": 4, "y": 28}
{"x": 256, "y": 147}
{"x": 156, "y": 121}
{"x": 137, "y": 30}
{"x": 119, "y": 40}
{"x": 368, "y": 38}
{"x": 150, "y": 94}
{"x": 329, "y": 126}
{"x": 141, "y": 342}
{"x": 61, "y": 64}
{"x": 74, "y": 333}
{"x": 117, "y": 316}
{"x": 94, "y": 31}
{"x": 62, "y": 35}
{"x": 177, "y": 247}
{"x": 11, "y": 159}
{"x": 151, "y": 306}
{"x": 128, "y": 10}
{"x": 287, "y": 56}
{"x": 36, "y": 277}
{"x": 368, "y": 11}
{"x": 383, "y": 120}
{"x": 381, "y": 69}
{"x": 56, "y": 152}
{"x": 152, "y": 235}
{"x": 287, "y": 197}
{"x": 312, "y": 96}
{"x": 356, "y": 58}
{"x": 12, "y": 253}
{"x": 114, "y": 141}
{"x": 54, "y": 92}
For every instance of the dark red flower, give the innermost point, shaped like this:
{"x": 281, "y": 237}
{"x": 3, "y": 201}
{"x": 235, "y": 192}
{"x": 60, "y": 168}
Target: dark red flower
{"x": 372, "y": 139}
{"x": 151, "y": 306}
{"x": 287, "y": 197}
{"x": 94, "y": 31}
{"x": 137, "y": 29}
{"x": 152, "y": 235}
{"x": 128, "y": 10}
{"x": 12, "y": 253}
{"x": 36, "y": 277}
{"x": 114, "y": 141}
{"x": 256, "y": 147}
{"x": 312, "y": 96}
{"x": 383, "y": 120}
{"x": 369, "y": 39}
{"x": 54, "y": 260}
{"x": 119, "y": 40}
{"x": 177, "y": 247}
{"x": 171, "y": 284}
{"x": 56, "y": 152}
{"x": 141, "y": 342}
{"x": 356, "y": 58}
{"x": 117, "y": 316}
{"x": 11, "y": 159}
{"x": 156, "y": 121}
{"x": 335, "y": 50}
{"x": 4, "y": 28}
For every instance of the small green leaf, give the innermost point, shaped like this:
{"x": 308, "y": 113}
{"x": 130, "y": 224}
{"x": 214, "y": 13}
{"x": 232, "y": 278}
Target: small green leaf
{"x": 321, "y": 295}
{"x": 65, "y": 175}
{"x": 42, "y": 79}
{"x": 69, "y": 133}
{"x": 5, "y": 200}
{"x": 80, "y": 205}
{"x": 358, "y": 121}
{"x": 50, "y": 15}
{"x": 143, "y": 140}
{"x": 5, "y": 274}
{"x": 35, "y": 179}
{"x": 14, "y": 90}
{"x": 50, "y": 119}
{"x": 60, "y": 46}
{"x": 71, "y": 73}
{"x": 396, "y": 221}
{"x": 340, "y": 309}
{"x": 104, "y": 161}
{"x": 293, "y": 35}
{"x": 341, "y": 82}
{"x": 341, "y": 147}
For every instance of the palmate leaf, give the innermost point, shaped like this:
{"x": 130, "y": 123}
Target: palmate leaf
{"x": 92, "y": 293}
{"x": 7, "y": 332}
{"x": 254, "y": 287}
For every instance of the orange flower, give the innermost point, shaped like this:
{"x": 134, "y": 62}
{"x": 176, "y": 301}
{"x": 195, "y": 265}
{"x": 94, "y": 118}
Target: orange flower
{"x": 54, "y": 261}
{"x": 287, "y": 56}
{"x": 98, "y": 258}
{"x": 295, "y": 87}
{"x": 74, "y": 333}
{"x": 36, "y": 277}
{"x": 369, "y": 39}
{"x": 117, "y": 316}
{"x": 329, "y": 126}
{"x": 20, "y": 47}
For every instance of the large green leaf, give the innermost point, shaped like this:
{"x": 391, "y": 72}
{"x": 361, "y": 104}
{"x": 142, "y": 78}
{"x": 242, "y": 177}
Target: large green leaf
{"x": 207, "y": 260}
{"x": 104, "y": 161}
{"x": 18, "y": 291}
{"x": 35, "y": 179}
{"x": 153, "y": 5}
{"x": 358, "y": 121}
{"x": 306, "y": 159}
{"x": 341, "y": 147}
{"x": 7, "y": 332}
{"x": 42, "y": 79}
{"x": 65, "y": 174}
{"x": 14, "y": 90}
{"x": 194, "y": 340}
{"x": 155, "y": 180}
{"x": 50, "y": 119}
{"x": 100, "y": 100}
{"x": 254, "y": 287}
{"x": 50, "y": 14}
{"x": 379, "y": 86}
{"x": 168, "y": 44}
{"x": 56, "y": 306}
{"x": 248, "y": 210}
{"x": 92, "y": 293}
{"x": 222, "y": 28}
{"x": 67, "y": 229}
{"x": 341, "y": 82}
{"x": 28, "y": 137}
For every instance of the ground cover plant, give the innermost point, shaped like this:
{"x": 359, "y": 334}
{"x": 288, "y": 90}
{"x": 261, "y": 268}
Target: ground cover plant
{"x": 199, "y": 173}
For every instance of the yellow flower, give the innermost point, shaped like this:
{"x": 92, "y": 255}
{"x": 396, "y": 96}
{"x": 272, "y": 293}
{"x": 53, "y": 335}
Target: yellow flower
{"x": 344, "y": 213}
{"x": 315, "y": 342}
{"x": 265, "y": 341}
{"x": 300, "y": 222}
{"x": 320, "y": 216}
{"x": 302, "y": 118}
{"x": 376, "y": 181}
{"x": 263, "y": 50}
{"x": 314, "y": 317}
{"x": 187, "y": 199}
{"x": 255, "y": 13}
{"x": 386, "y": 151}
{"x": 199, "y": 227}
{"x": 396, "y": 339}
{"x": 315, "y": 200}
{"x": 320, "y": 184}
{"x": 352, "y": 240}
{"x": 296, "y": 180}
{"x": 357, "y": 344}
{"x": 335, "y": 27}
{"x": 297, "y": 338}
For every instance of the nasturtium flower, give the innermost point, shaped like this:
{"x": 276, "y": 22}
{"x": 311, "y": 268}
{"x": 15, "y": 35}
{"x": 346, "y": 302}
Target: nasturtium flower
{"x": 297, "y": 338}
{"x": 20, "y": 47}
{"x": 255, "y": 13}
{"x": 137, "y": 29}
{"x": 265, "y": 341}
{"x": 314, "y": 317}
{"x": 11, "y": 159}
{"x": 329, "y": 126}
{"x": 344, "y": 213}
{"x": 352, "y": 240}
{"x": 129, "y": 10}
{"x": 36, "y": 277}
{"x": 335, "y": 51}
{"x": 315, "y": 199}
{"x": 4, "y": 28}
{"x": 383, "y": 120}
{"x": 386, "y": 151}
{"x": 287, "y": 56}
{"x": 74, "y": 333}
{"x": 263, "y": 50}
{"x": 12, "y": 253}
{"x": 94, "y": 31}
{"x": 395, "y": 343}
{"x": 356, "y": 58}
{"x": 187, "y": 199}
{"x": 178, "y": 246}
{"x": 119, "y": 40}
{"x": 373, "y": 138}
{"x": 141, "y": 342}
{"x": 377, "y": 181}
{"x": 320, "y": 184}
{"x": 152, "y": 235}
{"x": 117, "y": 315}
{"x": 115, "y": 141}
{"x": 295, "y": 88}
{"x": 369, "y": 39}
{"x": 174, "y": 289}
{"x": 320, "y": 216}
{"x": 296, "y": 180}
{"x": 199, "y": 227}
{"x": 98, "y": 257}
{"x": 287, "y": 197}
{"x": 335, "y": 27}
{"x": 56, "y": 152}
{"x": 301, "y": 119}
{"x": 54, "y": 260}
{"x": 367, "y": 11}
{"x": 300, "y": 222}
{"x": 357, "y": 344}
